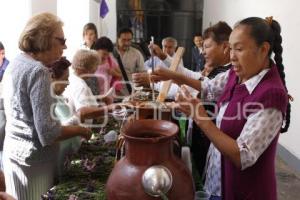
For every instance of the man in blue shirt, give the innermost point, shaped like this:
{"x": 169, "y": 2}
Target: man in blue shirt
{"x": 198, "y": 59}
{"x": 3, "y": 61}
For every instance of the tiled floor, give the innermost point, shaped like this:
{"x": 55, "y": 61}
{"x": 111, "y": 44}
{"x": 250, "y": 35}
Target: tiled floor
{"x": 288, "y": 182}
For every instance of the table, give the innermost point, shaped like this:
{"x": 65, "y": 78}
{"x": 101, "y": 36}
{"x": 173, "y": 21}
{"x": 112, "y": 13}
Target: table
{"x": 87, "y": 171}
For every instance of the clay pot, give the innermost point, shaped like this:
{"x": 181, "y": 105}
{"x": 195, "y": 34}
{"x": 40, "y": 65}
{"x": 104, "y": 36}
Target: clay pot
{"x": 148, "y": 143}
{"x": 150, "y": 110}
{"x": 2, "y": 182}
{"x": 152, "y": 113}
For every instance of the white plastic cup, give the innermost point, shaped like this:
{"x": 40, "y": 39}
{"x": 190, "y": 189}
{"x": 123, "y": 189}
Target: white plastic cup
{"x": 111, "y": 136}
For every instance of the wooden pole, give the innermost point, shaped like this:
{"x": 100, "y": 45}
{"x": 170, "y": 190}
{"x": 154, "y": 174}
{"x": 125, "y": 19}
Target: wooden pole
{"x": 167, "y": 84}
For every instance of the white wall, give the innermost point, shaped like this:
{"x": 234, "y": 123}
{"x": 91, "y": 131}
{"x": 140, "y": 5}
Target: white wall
{"x": 288, "y": 15}
{"x": 109, "y": 23}
{"x": 74, "y": 14}
{"x": 38, "y": 6}
{"x": 13, "y": 15}
{"x": 94, "y": 7}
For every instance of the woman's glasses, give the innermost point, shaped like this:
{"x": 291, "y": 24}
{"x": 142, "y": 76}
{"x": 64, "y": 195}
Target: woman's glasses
{"x": 62, "y": 41}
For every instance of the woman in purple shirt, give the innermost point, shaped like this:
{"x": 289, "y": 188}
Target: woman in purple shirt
{"x": 3, "y": 61}
{"x": 253, "y": 104}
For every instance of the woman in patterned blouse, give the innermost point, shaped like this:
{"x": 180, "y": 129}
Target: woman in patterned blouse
{"x": 253, "y": 104}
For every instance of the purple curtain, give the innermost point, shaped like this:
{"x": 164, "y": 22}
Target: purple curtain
{"x": 103, "y": 9}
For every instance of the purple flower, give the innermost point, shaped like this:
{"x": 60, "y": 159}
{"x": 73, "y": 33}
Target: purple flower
{"x": 89, "y": 165}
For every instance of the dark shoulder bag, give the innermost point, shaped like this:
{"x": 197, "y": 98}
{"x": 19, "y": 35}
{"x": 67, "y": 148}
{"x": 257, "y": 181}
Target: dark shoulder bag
{"x": 124, "y": 74}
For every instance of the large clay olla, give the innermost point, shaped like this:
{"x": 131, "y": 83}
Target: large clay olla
{"x": 148, "y": 143}
{"x": 2, "y": 182}
{"x": 151, "y": 110}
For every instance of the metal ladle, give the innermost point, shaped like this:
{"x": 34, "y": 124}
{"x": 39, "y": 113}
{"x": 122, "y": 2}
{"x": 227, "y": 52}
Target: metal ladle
{"x": 157, "y": 181}
{"x": 152, "y": 67}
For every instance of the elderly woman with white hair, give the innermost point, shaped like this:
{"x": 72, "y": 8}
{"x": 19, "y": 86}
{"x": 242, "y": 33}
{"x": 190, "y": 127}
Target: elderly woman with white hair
{"x": 78, "y": 93}
{"x": 31, "y": 134}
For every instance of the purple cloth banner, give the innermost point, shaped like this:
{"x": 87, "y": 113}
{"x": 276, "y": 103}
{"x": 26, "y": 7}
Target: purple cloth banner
{"x": 103, "y": 9}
